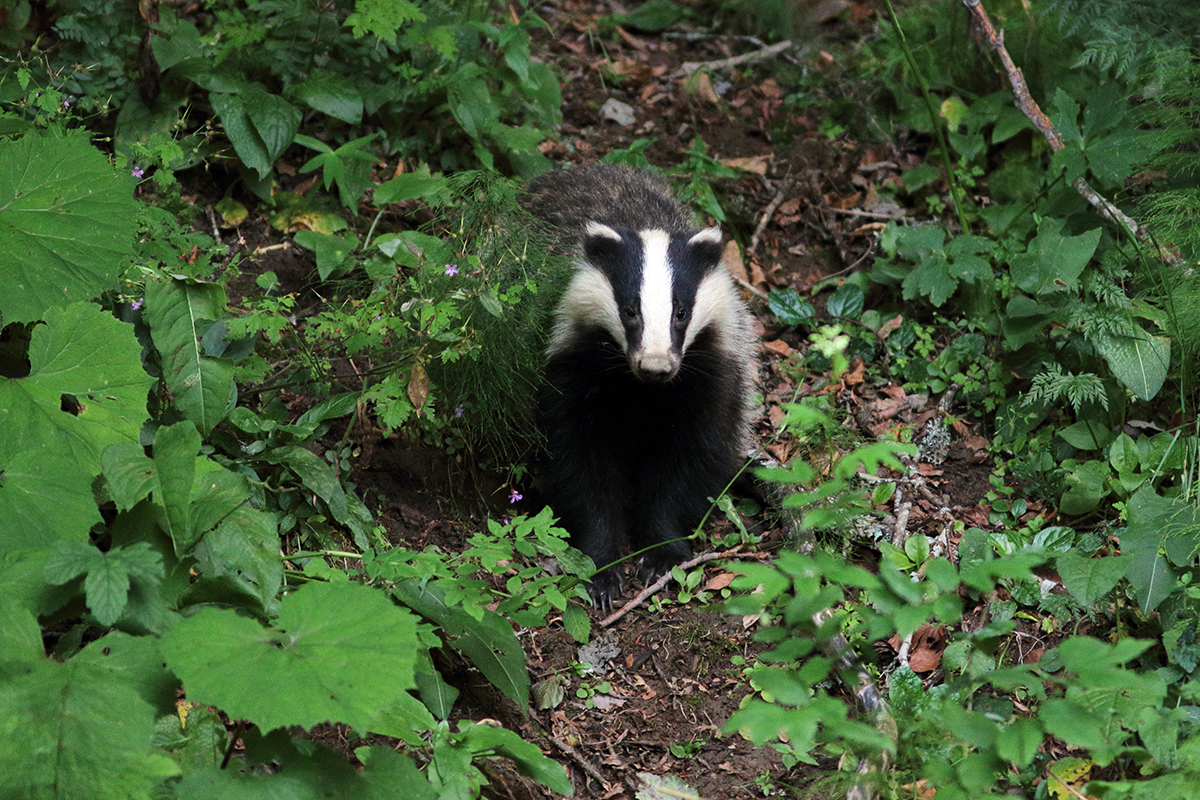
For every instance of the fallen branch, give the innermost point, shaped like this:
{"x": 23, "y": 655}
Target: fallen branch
{"x": 688, "y": 67}
{"x": 1030, "y": 108}
{"x": 661, "y": 583}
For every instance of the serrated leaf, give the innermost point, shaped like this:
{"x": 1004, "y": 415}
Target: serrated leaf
{"x": 67, "y": 221}
{"x": 576, "y": 622}
{"x": 336, "y": 653}
{"x": 179, "y": 313}
{"x": 933, "y": 278}
{"x": 129, "y": 472}
{"x": 84, "y": 733}
{"x": 244, "y": 547}
{"x": 86, "y": 390}
{"x": 383, "y": 18}
{"x": 1139, "y": 361}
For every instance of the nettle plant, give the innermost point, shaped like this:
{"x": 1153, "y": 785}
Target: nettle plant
{"x": 142, "y": 505}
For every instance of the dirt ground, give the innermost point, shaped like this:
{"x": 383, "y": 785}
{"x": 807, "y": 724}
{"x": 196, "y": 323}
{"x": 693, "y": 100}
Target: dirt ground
{"x": 807, "y": 211}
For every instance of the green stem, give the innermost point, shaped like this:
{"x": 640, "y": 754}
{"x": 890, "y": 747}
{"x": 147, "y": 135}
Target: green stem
{"x": 956, "y": 191}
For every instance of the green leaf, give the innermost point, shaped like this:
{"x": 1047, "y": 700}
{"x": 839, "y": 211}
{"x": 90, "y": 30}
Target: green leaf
{"x": 180, "y": 313}
{"x": 332, "y": 251}
{"x": 408, "y": 186}
{"x": 246, "y": 142}
{"x": 527, "y": 756}
{"x": 933, "y": 278}
{"x": 488, "y": 641}
{"x": 789, "y": 308}
{"x": 1088, "y": 580}
{"x": 330, "y": 94}
{"x": 83, "y": 733}
{"x": 1158, "y": 527}
{"x": 244, "y": 547}
{"x": 1139, "y": 361}
{"x": 1123, "y": 455}
{"x": 383, "y": 18}
{"x": 175, "y": 449}
{"x": 67, "y": 221}
{"x": 336, "y": 653}
{"x": 846, "y": 301}
{"x": 1053, "y": 262}
{"x": 50, "y": 449}
{"x": 1086, "y": 435}
{"x": 1085, "y": 488}
{"x": 653, "y": 16}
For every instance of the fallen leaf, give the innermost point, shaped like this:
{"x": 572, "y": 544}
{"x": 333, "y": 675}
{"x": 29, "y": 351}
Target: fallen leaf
{"x": 719, "y": 582}
{"x": 778, "y": 347}
{"x": 756, "y": 164}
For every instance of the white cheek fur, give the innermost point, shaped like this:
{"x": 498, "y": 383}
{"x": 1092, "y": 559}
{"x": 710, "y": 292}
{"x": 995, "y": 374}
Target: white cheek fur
{"x": 587, "y": 302}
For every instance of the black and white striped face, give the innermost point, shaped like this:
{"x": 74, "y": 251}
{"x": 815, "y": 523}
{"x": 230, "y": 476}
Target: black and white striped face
{"x": 652, "y": 291}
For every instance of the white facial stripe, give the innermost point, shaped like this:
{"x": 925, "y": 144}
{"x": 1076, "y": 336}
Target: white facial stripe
{"x": 657, "y": 302}
{"x": 587, "y": 302}
{"x": 716, "y": 300}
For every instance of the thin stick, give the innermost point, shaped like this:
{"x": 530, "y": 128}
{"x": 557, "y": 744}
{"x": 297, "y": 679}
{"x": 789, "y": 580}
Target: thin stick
{"x": 764, "y": 219}
{"x": 662, "y": 581}
{"x": 1030, "y": 108}
{"x": 688, "y": 67}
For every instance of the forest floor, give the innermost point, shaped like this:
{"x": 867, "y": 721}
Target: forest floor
{"x": 807, "y": 210}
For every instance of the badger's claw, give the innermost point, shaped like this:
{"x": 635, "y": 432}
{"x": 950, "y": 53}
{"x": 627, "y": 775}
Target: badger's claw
{"x": 606, "y": 585}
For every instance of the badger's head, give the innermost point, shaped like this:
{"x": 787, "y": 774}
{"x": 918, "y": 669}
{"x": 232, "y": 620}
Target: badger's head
{"x": 652, "y": 291}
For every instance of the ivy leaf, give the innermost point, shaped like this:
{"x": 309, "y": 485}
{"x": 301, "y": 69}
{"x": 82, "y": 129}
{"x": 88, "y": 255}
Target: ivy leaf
{"x": 789, "y": 308}
{"x": 67, "y": 221}
{"x": 337, "y": 653}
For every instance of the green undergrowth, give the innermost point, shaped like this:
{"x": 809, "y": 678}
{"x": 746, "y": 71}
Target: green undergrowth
{"x": 152, "y": 461}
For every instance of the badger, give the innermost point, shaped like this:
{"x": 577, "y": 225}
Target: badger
{"x": 648, "y": 369}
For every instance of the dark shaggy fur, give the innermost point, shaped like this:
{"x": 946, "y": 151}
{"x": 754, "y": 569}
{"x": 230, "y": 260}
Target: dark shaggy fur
{"x": 632, "y": 459}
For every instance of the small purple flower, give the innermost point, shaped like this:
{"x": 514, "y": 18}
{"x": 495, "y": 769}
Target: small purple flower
{"x": 452, "y": 270}
{"x": 515, "y": 496}
{"x": 66, "y": 103}
{"x": 136, "y": 305}
{"x": 137, "y": 172}
{"x": 458, "y": 411}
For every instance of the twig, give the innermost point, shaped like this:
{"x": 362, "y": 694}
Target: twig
{"x": 1030, "y": 108}
{"x": 583, "y": 763}
{"x": 688, "y": 67}
{"x": 768, "y": 212}
{"x": 661, "y": 583}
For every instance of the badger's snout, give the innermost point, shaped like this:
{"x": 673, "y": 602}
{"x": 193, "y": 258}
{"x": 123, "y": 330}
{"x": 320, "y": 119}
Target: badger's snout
{"x": 657, "y": 368}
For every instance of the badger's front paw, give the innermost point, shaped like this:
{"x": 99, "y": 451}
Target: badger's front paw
{"x": 606, "y": 587}
{"x": 651, "y": 569}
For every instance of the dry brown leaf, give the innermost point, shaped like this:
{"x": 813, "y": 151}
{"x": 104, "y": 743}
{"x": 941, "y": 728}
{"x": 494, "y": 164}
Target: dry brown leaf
{"x": 756, "y": 164}
{"x": 731, "y": 259}
{"x": 771, "y": 89}
{"x": 924, "y": 660}
{"x": 776, "y": 414}
{"x": 719, "y": 582}
{"x": 778, "y": 347}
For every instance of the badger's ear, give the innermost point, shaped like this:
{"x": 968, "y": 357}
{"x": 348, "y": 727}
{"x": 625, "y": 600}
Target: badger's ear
{"x": 706, "y": 236}
{"x": 706, "y": 246}
{"x": 598, "y": 230}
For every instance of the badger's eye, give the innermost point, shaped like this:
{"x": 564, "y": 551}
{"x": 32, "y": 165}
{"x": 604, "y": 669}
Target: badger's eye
{"x": 629, "y": 312}
{"x": 681, "y": 314}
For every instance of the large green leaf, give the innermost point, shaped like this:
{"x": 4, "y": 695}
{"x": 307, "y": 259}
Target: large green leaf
{"x": 1053, "y": 262}
{"x": 180, "y": 312}
{"x": 77, "y": 730}
{"x": 488, "y": 641}
{"x": 1159, "y": 529}
{"x": 1140, "y": 361}
{"x": 330, "y": 94}
{"x": 85, "y": 390}
{"x": 66, "y": 224}
{"x": 340, "y": 653}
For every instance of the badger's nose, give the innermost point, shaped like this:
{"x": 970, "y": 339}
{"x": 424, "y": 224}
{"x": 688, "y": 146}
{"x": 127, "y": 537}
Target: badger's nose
{"x": 657, "y": 369}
